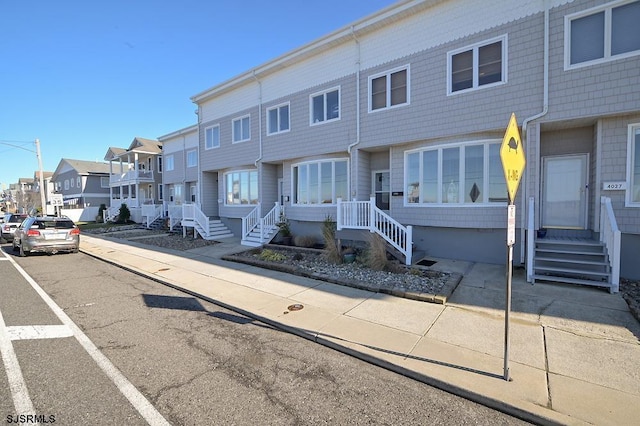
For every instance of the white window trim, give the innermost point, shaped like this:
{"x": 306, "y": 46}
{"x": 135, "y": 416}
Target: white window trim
{"x": 630, "y": 154}
{"x": 195, "y": 156}
{"x": 66, "y": 184}
{"x": 333, "y": 195}
{"x": 475, "y": 47}
{"x": 170, "y": 163}
{"x": 102, "y": 180}
{"x": 607, "y": 8}
{"x": 277, "y": 107}
{"x": 388, "y": 89}
{"x": 159, "y": 163}
{"x": 79, "y": 182}
{"x": 324, "y": 93}
{"x": 233, "y": 131}
{"x": 440, "y": 204}
{"x": 205, "y": 137}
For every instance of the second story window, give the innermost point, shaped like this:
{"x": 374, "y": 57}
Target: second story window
{"x": 192, "y": 158}
{"x": 79, "y": 182}
{"x": 278, "y": 119}
{"x": 159, "y": 163}
{"x": 212, "y": 137}
{"x": 104, "y": 182}
{"x": 169, "y": 163}
{"x": 389, "y": 90}
{"x": 325, "y": 106}
{"x": 477, "y": 66}
{"x": 602, "y": 33}
{"x": 242, "y": 129}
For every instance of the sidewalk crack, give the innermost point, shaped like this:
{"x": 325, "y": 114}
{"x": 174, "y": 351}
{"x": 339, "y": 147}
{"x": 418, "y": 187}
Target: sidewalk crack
{"x": 546, "y": 368}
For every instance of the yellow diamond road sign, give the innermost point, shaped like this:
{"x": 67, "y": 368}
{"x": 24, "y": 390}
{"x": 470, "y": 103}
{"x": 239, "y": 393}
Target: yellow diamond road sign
{"x": 512, "y": 156}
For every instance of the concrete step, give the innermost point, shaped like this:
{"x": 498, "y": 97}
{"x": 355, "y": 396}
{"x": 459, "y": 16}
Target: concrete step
{"x": 557, "y": 270}
{"x": 570, "y": 280}
{"x": 583, "y": 260}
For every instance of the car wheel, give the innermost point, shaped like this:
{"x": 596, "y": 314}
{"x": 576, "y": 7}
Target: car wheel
{"x": 22, "y": 252}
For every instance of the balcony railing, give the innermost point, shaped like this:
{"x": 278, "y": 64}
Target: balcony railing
{"x": 131, "y": 177}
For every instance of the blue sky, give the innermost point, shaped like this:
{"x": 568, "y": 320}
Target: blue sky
{"x": 82, "y": 76}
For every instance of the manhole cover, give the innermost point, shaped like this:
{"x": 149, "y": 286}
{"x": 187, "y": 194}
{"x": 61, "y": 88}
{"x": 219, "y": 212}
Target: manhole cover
{"x": 295, "y": 307}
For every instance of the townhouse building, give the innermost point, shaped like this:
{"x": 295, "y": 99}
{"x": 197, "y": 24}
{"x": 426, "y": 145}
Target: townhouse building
{"x": 399, "y": 118}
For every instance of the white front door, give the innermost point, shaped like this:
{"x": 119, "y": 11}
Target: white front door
{"x": 564, "y": 192}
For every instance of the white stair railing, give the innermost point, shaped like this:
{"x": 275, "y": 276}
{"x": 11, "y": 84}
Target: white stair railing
{"x": 250, "y": 221}
{"x": 530, "y": 239}
{"x": 111, "y": 214}
{"x": 610, "y": 236}
{"x": 203, "y": 221}
{"x": 151, "y": 212}
{"x": 175, "y": 215}
{"x": 268, "y": 223}
{"x": 365, "y": 215}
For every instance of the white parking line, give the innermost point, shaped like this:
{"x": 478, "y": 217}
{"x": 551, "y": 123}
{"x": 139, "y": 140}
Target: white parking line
{"x": 25, "y": 332}
{"x": 140, "y": 403}
{"x": 17, "y": 386}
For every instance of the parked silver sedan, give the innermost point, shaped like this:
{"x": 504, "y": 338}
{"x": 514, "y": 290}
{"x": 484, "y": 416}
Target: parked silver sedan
{"x": 46, "y": 234}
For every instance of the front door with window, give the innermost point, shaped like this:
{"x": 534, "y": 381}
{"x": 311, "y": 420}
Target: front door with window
{"x": 564, "y": 192}
{"x": 382, "y": 189}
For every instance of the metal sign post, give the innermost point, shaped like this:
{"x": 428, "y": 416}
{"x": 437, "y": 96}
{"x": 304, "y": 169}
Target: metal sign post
{"x": 513, "y": 162}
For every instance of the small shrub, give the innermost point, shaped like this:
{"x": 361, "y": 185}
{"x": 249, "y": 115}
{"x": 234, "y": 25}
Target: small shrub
{"x": 298, "y": 257}
{"x": 376, "y": 258}
{"x": 332, "y": 249}
{"x": 272, "y": 256}
{"x": 124, "y": 215}
{"x": 304, "y": 240}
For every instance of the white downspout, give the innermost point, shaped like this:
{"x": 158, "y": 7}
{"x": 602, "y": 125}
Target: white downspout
{"x": 259, "y": 118}
{"x": 357, "y": 141}
{"x": 545, "y": 109}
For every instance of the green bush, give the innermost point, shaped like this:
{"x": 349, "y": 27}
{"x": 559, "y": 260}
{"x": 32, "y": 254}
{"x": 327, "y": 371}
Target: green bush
{"x": 124, "y": 215}
{"x": 271, "y": 256}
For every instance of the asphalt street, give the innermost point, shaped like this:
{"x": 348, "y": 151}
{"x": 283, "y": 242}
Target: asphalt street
{"x": 193, "y": 361}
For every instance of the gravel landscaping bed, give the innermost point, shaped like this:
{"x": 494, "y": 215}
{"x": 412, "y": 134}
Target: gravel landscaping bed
{"x": 416, "y": 283}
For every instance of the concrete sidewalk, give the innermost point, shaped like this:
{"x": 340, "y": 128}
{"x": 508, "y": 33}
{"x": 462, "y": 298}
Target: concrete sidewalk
{"x": 574, "y": 354}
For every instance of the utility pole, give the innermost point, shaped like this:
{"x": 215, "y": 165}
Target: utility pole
{"x": 43, "y": 199}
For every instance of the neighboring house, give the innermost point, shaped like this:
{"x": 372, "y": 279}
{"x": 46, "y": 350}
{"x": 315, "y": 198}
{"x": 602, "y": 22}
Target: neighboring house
{"x": 25, "y": 198}
{"x": 180, "y": 166}
{"x": 48, "y": 190}
{"x": 84, "y": 186}
{"x": 135, "y": 179}
{"x": 404, "y": 111}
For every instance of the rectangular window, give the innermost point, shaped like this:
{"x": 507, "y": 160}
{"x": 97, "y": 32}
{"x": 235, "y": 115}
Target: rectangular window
{"x": 633, "y": 166}
{"x": 241, "y": 129}
{"x": 278, "y": 119}
{"x": 241, "y": 187}
{"x": 104, "y": 182}
{"x": 169, "y": 162}
{"x": 66, "y": 184}
{"x": 73, "y": 184}
{"x": 159, "y": 164}
{"x": 481, "y": 65}
{"x": 602, "y": 33}
{"x": 79, "y": 182}
{"x": 325, "y": 106}
{"x": 389, "y": 90}
{"x": 212, "y": 137}
{"x": 160, "y": 192}
{"x": 468, "y": 174}
{"x": 321, "y": 182}
{"x": 192, "y": 158}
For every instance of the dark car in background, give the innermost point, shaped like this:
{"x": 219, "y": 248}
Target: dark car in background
{"x": 10, "y": 224}
{"x": 46, "y": 234}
